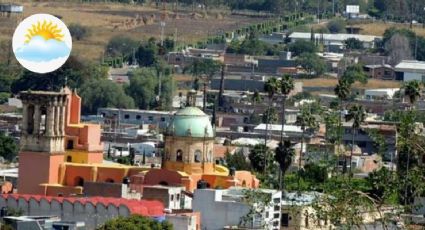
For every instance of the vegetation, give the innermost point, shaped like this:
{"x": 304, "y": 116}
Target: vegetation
{"x": 336, "y": 26}
{"x": 135, "y": 222}
{"x": 312, "y": 63}
{"x": 8, "y": 147}
{"x": 78, "y": 31}
{"x": 301, "y": 46}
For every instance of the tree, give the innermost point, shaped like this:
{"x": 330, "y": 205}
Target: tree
{"x": 121, "y": 45}
{"x": 271, "y": 87}
{"x": 398, "y": 49}
{"x": 301, "y": 46}
{"x": 306, "y": 121}
{"x": 412, "y": 90}
{"x": 355, "y": 73}
{"x": 135, "y": 222}
{"x": 146, "y": 54}
{"x": 342, "y": 91}
{"x": 353, "y": 44}
{"x": 286, "y": 86}
{"x": 78, "y": 31}
{"x": 144, "y": 88}
{"x": 312, "y": 63}
{"x": 8, "y": 147}
{"x": 103, "y": 93}
{"x": 258, "y": 157}
{"x": 283, "y": 155}
{"x": 74, "y": 73}
{"x": 336, "y": 26}
{"x": 237, "y": 161}
{"x": 357, "y": 114}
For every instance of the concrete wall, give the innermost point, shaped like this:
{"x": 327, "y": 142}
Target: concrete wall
{"x": 220, "y": 213}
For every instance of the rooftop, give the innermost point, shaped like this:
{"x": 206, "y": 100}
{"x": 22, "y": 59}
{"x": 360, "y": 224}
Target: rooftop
{"x": 335, "y": 37}
{"x": 410, "y": 65}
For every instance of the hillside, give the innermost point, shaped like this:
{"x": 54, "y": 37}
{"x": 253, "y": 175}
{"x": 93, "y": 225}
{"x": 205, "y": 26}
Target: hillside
{"x": 106, "y": 20}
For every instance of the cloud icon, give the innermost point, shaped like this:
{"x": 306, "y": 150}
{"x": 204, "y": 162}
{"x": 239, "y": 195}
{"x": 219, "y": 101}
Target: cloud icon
{"x": 38, "y": 49}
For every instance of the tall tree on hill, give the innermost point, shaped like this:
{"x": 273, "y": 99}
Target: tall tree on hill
{"x": 286, "y": 86}
{"x": 271, "y": 87}
{"x": 342, "y": 91}
{"x": 398, "y": 48}
{"x": 357, "y": 115}
{"x": 307, "y": 121}
{"x": 284, "y": 154}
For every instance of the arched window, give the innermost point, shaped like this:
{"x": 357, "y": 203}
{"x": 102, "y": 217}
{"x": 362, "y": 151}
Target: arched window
{"x": 179, "y": 155}
{"x": 69, "y": 159}
{"x": 197, "y": 156}
{"x": 79, "y": 181}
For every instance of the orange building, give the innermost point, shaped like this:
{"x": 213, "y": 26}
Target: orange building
{"x": 59, "y": 153}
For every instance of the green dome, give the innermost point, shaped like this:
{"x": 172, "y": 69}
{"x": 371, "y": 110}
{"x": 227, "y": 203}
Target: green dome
{"x": 190, "y": 122}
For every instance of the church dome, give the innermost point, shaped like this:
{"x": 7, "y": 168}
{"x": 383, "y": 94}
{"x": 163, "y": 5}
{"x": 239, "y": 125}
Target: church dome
{"x": 190, "y": 122}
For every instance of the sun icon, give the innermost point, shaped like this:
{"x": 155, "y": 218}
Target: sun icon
{"x": 42, "y": 43}
{"x": 44, "y": 29}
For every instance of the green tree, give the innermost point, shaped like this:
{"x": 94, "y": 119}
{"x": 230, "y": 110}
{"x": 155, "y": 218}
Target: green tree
{"x": 78, "y": 31}
{"x": 144, "y": 88}
{"x": 237, "y": 161}
{"x": 146, "y": 54}
{"x": 355, "y": 73}
{"x": 284, "y": 154}
{"x": 353, "y": 44}
{"x": 356, "y": 114}
{"x": 336, "y": 26}
{"x": 121, "y": 45}
{"x": 74, "y": 73}
{"x": 312, "y": 63}
{"x": 258, "y": 157}
{"x": 8, "y": 147}
{"x": 412, "y": 90}
{"x": 307, "y": 121}
{"x": 135, "y": 222}
{"x": 301, "y": 46}
{"x": 342, "y": 91}
{"x": 286, "y": 86}
{"x": 271, "y": 87}
{"x": 103, "y": 93}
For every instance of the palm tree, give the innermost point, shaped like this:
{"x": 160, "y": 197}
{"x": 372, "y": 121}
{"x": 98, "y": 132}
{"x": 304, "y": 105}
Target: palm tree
{"x": 283, "y": 155}
{"x": 256, "y": 97}
{"x": 286, "y": 86}
{"x": 412, "y": 90}
{"x": 271, "y": 87}
{"x": 358, "y": 115}
{"x": 306, "y": 121}
{"x": 342, "y": 91}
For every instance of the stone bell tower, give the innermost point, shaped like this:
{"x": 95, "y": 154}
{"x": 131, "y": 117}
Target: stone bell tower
{"x": 42, "y": 140}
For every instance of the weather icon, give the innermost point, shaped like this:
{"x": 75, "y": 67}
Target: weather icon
{"x": 42, "y": 43}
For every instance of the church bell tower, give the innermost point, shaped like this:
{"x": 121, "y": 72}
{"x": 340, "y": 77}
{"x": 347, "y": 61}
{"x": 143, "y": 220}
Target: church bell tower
{"x": 42, "y": 140}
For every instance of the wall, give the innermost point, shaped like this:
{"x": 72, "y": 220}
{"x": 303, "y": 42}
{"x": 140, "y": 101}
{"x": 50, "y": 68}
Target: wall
{"x": 220, "y": 213}
{"x": 408, "y": 76}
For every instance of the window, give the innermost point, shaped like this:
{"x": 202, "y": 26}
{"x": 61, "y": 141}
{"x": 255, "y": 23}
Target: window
{"x": 276, "y": 216}
{"x": 103, "y": 114}
{"x": 109, "y": 180}
{"x": 70, "y": 144}
{"x": 79, "y": 181}
{"x": 267, "y": 214}
{"x": 178, "y": 197}
{"x": 179, "y": 155}
{"x": 172, "y": 198}
{"x": 69, "y": 159}
{"x": 126, "y": 116}
{"x": 162, "y": 119}
{"x": 138, "y": 117}
{"x": 150, "y": 118}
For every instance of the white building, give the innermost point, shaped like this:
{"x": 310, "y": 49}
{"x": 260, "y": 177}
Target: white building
{"x": 288, "y": 130}
{"x": 336, "y": 39}
{"x": 137, "y": 117}
{"x": 409, "y": 70}
{"x": 224, "y": 208}
{"x": 380, "y": 94}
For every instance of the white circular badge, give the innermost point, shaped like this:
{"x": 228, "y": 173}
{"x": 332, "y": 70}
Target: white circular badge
{"x": 42, "y": 43}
